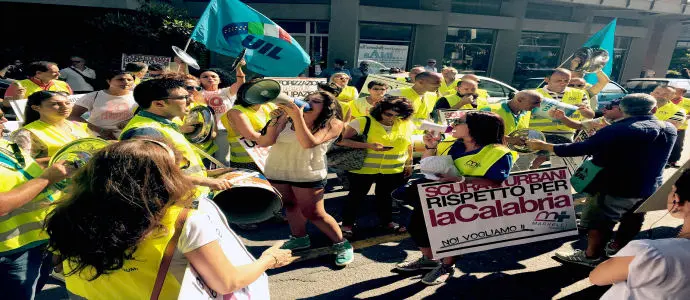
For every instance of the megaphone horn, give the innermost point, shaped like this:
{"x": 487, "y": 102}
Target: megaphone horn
{"x": 265, "y": 90}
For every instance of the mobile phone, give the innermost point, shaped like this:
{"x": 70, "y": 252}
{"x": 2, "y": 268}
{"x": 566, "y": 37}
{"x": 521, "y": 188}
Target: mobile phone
{"x": 387, "y": 147}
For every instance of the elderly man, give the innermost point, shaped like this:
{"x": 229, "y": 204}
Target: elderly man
{"x": 683, "y": 103}
{"x": 431, "y": 66}
{"x": 631, "y": 154}
{"x": 557, "y": 89}
{"x": 670, "y": 112}
{"x": 79, "y": 76}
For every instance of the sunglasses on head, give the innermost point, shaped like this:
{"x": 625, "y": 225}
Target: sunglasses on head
{"x": 193, "y": 88}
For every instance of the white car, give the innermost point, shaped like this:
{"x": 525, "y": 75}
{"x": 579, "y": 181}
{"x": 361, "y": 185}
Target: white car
{"x": 498, "y": 90}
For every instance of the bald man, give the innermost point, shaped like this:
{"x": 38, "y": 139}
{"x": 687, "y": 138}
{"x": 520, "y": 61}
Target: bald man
{"x": 422, "y": 94}
{"x": 667, "y": 111}
{"x": 465, "y": 97}
{"x": 412, "y": 74}
{"x": 516, "y": 112}
{"x": 483, "y": 94}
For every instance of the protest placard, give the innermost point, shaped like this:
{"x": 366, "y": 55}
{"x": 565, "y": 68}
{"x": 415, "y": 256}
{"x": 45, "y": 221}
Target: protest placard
{"x": 387, "y": 55}
{"x": 256, "y": 152}
{"x": 298, "y": 87}
{"x": 392, "y": 84}
{"x": 527, "y": 207}
{"x": 147, "y": 59}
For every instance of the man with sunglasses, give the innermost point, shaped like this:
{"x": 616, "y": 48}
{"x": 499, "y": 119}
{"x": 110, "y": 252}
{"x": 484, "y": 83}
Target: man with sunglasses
{"x": 612, "y": 113}
{"x": 79, "y": 76}
{"x": 577, "y": 82}
{"x": 24, "y": 267}
{"x": 161, "y": 101}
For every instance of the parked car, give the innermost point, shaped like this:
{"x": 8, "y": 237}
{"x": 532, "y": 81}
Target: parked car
{"x": 498, "y": 90}
{"x": 375, "y": 67}
{"x": 611, "y": 91}
{"x": 647, "y": 85}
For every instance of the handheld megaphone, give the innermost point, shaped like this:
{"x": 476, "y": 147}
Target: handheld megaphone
{"x": 431, "y": 126}
{"x": 266, "y": 90}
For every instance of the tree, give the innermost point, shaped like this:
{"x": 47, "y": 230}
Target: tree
{"x": 680, "y": 59}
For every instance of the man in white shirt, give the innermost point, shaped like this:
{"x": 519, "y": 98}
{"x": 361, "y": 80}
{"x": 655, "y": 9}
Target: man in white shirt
{"x": 76, "y": 76}
{"x": 431, "y": 66}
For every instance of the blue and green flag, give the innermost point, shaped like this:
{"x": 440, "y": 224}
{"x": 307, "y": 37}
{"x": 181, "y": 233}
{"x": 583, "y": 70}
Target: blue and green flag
{"x": 229, "y": 26}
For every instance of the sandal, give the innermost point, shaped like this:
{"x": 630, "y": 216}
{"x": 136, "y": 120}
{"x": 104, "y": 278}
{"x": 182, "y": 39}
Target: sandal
{"x": 394, "y": 228}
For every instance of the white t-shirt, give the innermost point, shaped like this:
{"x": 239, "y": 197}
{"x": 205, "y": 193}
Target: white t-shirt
{"x": 204, "y": 226}
{"x": 76, "y": 81}
{"x": 220, "y": 103}
{"x": 106, "y": 110}
{"x": 658, "y": 271}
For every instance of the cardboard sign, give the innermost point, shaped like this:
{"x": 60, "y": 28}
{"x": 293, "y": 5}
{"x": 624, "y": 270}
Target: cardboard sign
{"x": 392, "y": 84}
{"x": 446, "y": 116}
{"x": 257, "y": 153}
{"x": 147, "y": 59}
{"x": 528, "y": 207}
{"x": 298, "y": 87}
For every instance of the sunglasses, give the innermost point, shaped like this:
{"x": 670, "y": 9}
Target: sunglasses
{"x": 193, "y": 88}
{"x": 459, "y": 122}
{"x": 185, "y": 97}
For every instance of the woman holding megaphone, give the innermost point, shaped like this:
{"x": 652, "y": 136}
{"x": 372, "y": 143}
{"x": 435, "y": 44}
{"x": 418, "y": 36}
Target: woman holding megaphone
{"x": 296, "y": 167}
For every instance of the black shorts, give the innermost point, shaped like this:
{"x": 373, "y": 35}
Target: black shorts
{"x": 319, "y": 184}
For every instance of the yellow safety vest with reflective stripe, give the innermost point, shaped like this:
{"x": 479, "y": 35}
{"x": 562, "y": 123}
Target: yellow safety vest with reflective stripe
{"x": 195, "y": 167}
{"x": 685, "y": 105}
{"x": 257, "y": 120}
{"x": 448, "y": 89}
{"x": 423, "y": 104}
{"x": 479, "y": 163}
{"x": 22, "y": 228}
{"x": 359, "y": 107}
{"x": 571, "y": 96}
{"x": 54, "y": 138}
{"x": 511, "y": 124}
{"x": 135, "y": 280}
{"x": 56, "y": 86}
{"x": 348, "y": 94}
{"x": 667, "y": 111}
{"x": 455, "y": 99}
{"x": 391, "y": 161}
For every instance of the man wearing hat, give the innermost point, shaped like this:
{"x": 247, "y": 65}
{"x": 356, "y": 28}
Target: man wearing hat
{"x": 631, "y": 154}
{"x": 683, "y": 103}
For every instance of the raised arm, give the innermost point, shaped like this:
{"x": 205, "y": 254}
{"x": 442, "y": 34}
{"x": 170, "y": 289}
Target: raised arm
{"x": 275, "y": 126}
{"x": 602, "y": 81}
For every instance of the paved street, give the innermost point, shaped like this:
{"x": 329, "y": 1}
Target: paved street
{"x": 519, "y": 272}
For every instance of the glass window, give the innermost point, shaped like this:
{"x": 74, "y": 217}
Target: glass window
{"x": 319, "y": 27}
{"x": 468, "y": 49}
{"x": 612, "y": 88}
{"x": 621, "y": 45}
{"x": 538, "y": 54}
{"x": 680, "y": 58}
{"x": 293, "y": 26}
{"x": 411, "y": 4}
{"x": 548, "y": 12}
{"x": 479, "y": 7}
{"x": 494, "y": 89}
{"x": 619, "y": 22}
{"x": 385, "y": 32}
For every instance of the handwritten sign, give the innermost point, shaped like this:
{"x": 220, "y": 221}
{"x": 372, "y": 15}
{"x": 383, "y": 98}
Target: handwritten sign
{"x": 298, "y": 87}
{"x": 527, "y": 207}
{"x": 147, "y": 59}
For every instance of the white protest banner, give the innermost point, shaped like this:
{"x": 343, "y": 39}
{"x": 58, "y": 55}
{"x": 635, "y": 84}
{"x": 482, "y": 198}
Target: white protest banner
{"x": 527, "y": 207}
{"x": 147, "y": 59}
{"x": 298, "y": 87}
{"x": 388, "y": 55}
{"x": 392, "y": 84}
{"x": 257, "y": 153}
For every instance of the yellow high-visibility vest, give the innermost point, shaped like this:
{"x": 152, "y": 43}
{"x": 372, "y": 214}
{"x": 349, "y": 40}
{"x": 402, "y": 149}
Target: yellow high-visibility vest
{"x": 54, "y": 138}
{"x": 348, "y": 94}
{"x": 684, "y": 104}
{"x": 54, "y": 86}
{"x": 479, "y": 163}
{"x": 667, "y": 111}
{"x": 511, "y": 124}
{"x": 22, "y": 228}
{"x": 135, "y": 280}
{"x": 391, "y": 161}
{"x": 571, "y": 96}
{"x": 257, "y": 118}
{"x": 423, "y": 104}
{"x": 448, "y": 89}
{"x": 455, "y": 99}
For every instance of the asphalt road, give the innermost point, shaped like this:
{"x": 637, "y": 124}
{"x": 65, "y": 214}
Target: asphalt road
{"x": 518, "y": 272}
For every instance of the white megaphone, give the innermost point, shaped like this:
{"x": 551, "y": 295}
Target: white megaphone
{"x": 549, "y": 104}
{"x": 266, "y": 90}
{"x": 433, "y": 127}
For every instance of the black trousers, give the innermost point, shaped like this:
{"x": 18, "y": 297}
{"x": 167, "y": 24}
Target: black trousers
{"x": 677, "y": 147}
{"x": 359, "y": 187}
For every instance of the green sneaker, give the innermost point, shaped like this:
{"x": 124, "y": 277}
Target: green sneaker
{"x": 297, "y": 243}
{"x": 344, "y": 253}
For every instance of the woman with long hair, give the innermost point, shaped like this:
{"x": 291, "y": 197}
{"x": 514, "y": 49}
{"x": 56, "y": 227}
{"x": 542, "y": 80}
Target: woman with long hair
{"x": 348, "y": 93}
{"x": 388, "y": 161}
{"x": 127, "y": 206}
{"x": 296, "y": 167}
{"x": 46, "y": 127}
{"x": 479, "y": 137}
{"x": 220, "y": 93}
{"x": 647, "y": 269}
{"x": 109, "y": 109}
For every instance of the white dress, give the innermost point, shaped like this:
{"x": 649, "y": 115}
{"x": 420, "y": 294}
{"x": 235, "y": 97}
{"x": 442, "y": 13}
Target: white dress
{"x": 289, "y": 161}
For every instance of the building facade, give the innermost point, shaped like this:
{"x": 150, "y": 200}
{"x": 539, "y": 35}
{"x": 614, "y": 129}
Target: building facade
{"x": 509, "y": 40}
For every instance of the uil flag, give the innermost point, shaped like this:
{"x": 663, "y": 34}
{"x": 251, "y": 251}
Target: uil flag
{"x": 603, "y": 39}
{"x": 229, "y": 26}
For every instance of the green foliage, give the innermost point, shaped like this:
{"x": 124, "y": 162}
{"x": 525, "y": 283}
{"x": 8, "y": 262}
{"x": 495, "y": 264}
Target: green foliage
{"x": 680, "y": 59}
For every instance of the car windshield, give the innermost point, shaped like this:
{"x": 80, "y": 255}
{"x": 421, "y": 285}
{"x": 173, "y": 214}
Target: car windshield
{"x": 643, "y": 86}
